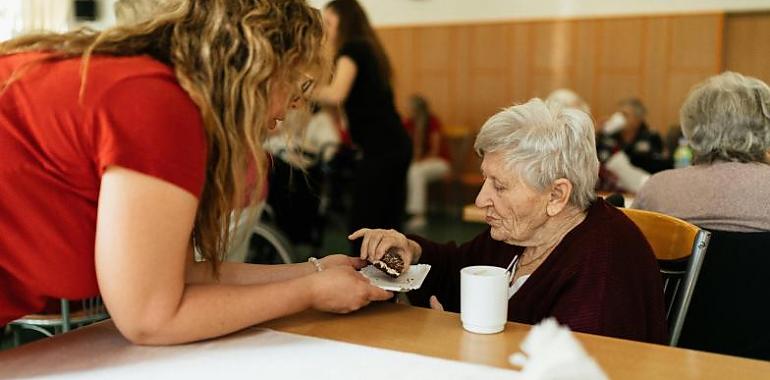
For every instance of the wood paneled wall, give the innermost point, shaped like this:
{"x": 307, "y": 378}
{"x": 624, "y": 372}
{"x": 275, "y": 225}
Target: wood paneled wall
{"x": 468, "y": 71}
{"x": 747, "y": 44}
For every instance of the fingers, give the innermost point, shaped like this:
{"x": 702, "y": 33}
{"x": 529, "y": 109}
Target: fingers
{"x": 358, "y": 263}
{"x": 357, "y": 234}
{"x": 378, "y": 294}
{"x": 369, "y": 245}
{"x": 435, "y": 305}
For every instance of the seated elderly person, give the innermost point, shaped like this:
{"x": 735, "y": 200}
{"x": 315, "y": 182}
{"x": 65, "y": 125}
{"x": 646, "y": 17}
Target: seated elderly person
{"x": 727, "y": 122}
{"x": 578, "y": 258}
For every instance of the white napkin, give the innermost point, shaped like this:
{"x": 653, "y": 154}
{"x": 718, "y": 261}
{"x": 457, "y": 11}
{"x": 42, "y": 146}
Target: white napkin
{"x": 551, "y": 352}
{"x": 630, "y": 177}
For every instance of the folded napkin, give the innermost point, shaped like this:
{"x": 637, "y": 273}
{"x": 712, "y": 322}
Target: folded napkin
{"x": 550, "y": 351}
{"x": 629, "y": 176}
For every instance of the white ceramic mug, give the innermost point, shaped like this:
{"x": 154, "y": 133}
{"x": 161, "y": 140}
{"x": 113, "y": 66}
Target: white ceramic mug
{"x": 484, "y": 298}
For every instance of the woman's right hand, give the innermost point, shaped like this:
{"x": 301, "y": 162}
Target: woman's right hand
{"x": 342, "y": 290}
{"x": 376, "y": 242}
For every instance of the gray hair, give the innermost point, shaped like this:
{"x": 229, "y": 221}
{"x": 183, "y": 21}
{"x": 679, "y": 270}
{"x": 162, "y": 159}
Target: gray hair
{"x": 727, "y": 117}
{"x": 636, "y": 104}
{"x": 545, "y": 142}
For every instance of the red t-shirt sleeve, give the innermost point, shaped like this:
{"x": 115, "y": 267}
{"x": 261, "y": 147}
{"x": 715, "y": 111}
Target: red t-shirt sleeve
{"x": 149, "y": 124}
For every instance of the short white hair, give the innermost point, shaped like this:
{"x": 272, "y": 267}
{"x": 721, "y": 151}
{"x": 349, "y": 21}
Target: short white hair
{"x": 727, "y": 117}
{"x": 545, "y": 142}
{"x": 568, "y": 98}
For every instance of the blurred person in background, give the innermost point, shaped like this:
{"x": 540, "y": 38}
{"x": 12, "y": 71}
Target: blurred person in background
{"x": 430, "y": 158}
{"x": 362, "y": 84}
{"x": 628, "y": 149}
{"x": 726, "y": 120}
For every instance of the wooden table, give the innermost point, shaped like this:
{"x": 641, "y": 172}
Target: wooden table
{"x": 402, "y": 328}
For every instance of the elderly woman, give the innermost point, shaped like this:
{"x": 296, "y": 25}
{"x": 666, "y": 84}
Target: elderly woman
{"x": 578, "y": 258}
{"x": 727, "y": 122}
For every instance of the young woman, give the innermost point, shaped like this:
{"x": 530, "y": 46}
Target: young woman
{"x": 124, "y": 152}
{"x": 362, "y": 83}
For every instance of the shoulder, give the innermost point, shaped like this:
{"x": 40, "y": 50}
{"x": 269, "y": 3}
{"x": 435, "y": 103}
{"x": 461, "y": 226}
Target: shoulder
{"x": 108, "y": 74}
{"x": 608, "y": 233}
{"x": 356, "y": 49}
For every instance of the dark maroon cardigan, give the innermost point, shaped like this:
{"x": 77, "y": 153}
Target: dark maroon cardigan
{"x": 601, "y": 279}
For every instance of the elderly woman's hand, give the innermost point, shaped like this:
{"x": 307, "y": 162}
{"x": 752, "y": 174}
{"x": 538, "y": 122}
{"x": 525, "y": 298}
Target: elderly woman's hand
{"x": 376, "y": 242}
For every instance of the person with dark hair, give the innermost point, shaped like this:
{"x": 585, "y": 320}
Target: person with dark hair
{"x": 124, "y": 153}
{"x": 362, "y": 84}
{"x": 628, "y": 149}
{"x": 430, "y": 158}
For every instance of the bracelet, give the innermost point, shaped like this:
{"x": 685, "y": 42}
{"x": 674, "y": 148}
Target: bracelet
{"x": 316, "y": 264}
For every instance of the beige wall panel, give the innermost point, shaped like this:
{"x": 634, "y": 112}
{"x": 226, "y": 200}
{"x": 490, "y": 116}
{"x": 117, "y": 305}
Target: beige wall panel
{"x": 621, "y": 43}
{"x": 552, "y": 44}
{"x": 654, "y": 85}
{"x": 399, "y": 47}
{"x": 460, "y": 78}
{"x": 695, "y": 41}
{"x": 431, "y": 48}
{"x": 585, "y": 59}
{"x": 520, "y": 62}
{"x": 490, "y": 47}
{"x": 747, "y": 44}
{"x": 488, "y": 94}
{"x": 435, "y": 88}
{"x": 470, "y": 71}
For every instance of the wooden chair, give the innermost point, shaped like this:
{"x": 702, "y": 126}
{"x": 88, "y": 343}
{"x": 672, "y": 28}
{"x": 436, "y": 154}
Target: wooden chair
{"x": 680, "y": 248}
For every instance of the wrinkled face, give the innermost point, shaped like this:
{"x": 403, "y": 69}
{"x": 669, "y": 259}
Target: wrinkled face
{"x": 331, "y": 22}
{"x": 514, "y": 210}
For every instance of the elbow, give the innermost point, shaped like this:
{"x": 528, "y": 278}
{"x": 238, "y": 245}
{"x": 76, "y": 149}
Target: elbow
{"x": 145, "y": 331}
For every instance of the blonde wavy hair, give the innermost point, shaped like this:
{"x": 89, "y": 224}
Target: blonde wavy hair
{"x": 229, "y": 56}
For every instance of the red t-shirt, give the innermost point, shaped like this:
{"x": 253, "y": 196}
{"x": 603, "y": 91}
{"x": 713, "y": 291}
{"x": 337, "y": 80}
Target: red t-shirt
{"x": 54, "y": 149}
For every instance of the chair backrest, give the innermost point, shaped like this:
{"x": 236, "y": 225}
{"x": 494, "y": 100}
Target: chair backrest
{"x": 680, "y": 248}
{"x": 729, "y": 312}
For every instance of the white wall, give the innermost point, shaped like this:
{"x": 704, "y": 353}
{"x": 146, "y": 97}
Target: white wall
{"x": 410, "y": 12}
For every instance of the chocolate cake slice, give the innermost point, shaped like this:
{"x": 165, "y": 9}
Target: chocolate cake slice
{"x": 391, "y": 263}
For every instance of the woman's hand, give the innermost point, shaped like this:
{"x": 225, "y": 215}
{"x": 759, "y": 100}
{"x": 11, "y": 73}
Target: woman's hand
{"x": 340, "y": 260}
{"x": 376, "y": 242}
{"x": 341, "y": 290}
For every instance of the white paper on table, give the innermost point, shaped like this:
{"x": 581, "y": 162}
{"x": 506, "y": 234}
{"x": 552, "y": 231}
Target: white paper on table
{"x": 268, "y": 354}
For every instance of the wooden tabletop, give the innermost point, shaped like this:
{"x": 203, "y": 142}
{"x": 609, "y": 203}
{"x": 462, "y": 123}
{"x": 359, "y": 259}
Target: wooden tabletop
{"x": 401, "y": 328}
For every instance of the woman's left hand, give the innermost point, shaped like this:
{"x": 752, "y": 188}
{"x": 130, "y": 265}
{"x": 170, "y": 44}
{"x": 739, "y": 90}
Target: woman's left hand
{"x": 342, "y": 260}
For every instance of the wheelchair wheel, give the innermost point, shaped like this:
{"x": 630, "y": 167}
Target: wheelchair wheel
{"x": 268, "y": 245}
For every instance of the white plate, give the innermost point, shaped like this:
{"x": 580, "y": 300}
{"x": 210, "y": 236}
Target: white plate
{"x": 410, "y": 280}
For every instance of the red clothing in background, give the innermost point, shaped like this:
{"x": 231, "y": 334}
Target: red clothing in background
{"x": 601, "y": 279}
{"x": 54, "y": 150}
{"x": 434, "y": 126}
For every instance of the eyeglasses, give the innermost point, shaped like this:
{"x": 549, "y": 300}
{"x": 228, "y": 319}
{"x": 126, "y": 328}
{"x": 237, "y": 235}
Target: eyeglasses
{"x": 305, "y": 89}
